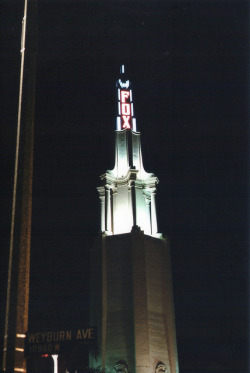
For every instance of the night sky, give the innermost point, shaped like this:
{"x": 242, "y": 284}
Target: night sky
{"x": 188, "y": 62}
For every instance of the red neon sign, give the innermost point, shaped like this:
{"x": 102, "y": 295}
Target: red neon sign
{"x": 125, "y": 109}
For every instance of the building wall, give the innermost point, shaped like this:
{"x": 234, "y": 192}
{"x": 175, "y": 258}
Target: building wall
{"x": 137, "y": 324}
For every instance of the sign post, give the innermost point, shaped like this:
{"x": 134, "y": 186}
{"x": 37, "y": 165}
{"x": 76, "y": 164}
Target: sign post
{"x": 55, "y": 359}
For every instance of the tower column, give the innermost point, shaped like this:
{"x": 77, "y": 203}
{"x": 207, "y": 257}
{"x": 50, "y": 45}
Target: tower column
{"x": 102, "y": 200}
{"x": 108, "y": 210}
{"x": 133, "y": 200}
{"x": 147, "y": 203}
{"x": 153, "y": 214}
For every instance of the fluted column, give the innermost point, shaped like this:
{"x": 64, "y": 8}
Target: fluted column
{"x": 108, "y": 210}
{"x": 148, "y": 220}
{"x": 133, "y": 196}
{"x": 102, "y": 200}
{"x": 153, "y": 213}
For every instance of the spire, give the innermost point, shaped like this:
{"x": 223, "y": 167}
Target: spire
{"x": 127, "y": 193}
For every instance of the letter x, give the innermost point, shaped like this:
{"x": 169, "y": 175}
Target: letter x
{"x": 126, "y": 123}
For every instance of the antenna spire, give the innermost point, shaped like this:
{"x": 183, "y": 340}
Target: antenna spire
{"x": 122, "y": 69}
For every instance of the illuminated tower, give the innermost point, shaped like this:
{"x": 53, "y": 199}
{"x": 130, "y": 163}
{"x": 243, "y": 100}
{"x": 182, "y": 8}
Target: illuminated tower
{"x": 17, "y": 300}
{"x": 128, "y": 191}
{"x": 131, "y": 295}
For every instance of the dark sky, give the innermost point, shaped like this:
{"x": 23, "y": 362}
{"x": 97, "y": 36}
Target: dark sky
{"x": 188, "y": 61}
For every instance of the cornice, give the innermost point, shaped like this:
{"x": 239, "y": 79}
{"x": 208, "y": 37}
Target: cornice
{"x": 132, "y": 176}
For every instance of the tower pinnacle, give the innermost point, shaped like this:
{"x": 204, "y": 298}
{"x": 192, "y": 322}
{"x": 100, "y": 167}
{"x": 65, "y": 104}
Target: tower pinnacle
{"x": 128, "y": 192}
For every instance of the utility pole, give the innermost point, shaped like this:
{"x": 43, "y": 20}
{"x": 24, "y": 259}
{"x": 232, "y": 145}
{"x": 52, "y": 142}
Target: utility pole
{"x": 17, "y": 300}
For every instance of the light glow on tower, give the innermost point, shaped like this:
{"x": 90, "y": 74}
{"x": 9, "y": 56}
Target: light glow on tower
{"x": 128, "y": 192}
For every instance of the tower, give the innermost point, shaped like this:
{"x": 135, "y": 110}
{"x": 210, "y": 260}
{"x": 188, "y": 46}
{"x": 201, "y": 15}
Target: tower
{"x": 127, "y": 193}
{"x": 17, "y": 300}
{"x": 131, "y": 288}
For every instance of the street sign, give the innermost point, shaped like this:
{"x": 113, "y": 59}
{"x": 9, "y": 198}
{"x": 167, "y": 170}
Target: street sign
{"x": 57, "y": 341}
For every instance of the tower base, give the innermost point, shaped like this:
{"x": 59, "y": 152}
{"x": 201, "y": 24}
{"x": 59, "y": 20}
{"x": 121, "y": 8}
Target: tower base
{"x": 132, "y": 304}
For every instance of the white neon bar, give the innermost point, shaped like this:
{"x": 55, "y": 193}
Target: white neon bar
{"x": 118, "y": 124}
{"x": 134, "y": 124}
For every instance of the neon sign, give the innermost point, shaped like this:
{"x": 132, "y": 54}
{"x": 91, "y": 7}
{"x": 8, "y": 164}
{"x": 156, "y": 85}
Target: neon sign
{"x": 125, "y": 119}
{"x": 124, "y": 85}
{"x": 125, "y": 109}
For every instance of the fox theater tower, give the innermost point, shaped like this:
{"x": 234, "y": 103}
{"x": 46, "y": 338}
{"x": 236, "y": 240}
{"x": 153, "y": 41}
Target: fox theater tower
{"x": 131, "y": 288}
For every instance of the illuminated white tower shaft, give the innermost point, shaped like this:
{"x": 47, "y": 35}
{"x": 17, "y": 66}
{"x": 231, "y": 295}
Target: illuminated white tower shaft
{"x": 128, "y": 192}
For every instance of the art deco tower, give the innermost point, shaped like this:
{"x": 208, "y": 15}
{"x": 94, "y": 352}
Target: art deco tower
{"x": 131, "y": 294}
